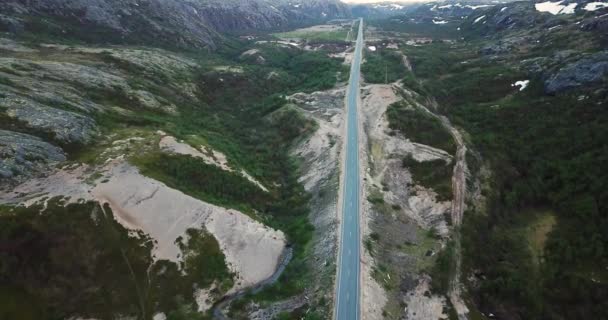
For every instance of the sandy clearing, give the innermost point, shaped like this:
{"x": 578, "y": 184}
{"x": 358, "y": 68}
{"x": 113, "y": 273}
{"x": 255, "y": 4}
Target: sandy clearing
{"x": 346, "y": 55}
{"x": 376, "y": 100}
{"x": 283, "y": 43}
{"x": 421, "y": 306}
{"x": 321, "y": 149}
{"x": 252, "y": 250}
{"x": 203, "y": 298}
{"x": 373, "y": 296}
{"x": 383, "y": 153}
{"x": 208, "y": 155}
{"x": 320, "y": 28}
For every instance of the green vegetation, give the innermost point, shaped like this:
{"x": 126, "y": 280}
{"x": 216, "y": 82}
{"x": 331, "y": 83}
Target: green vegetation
{"x": 538, "y": 231}
{"x": 408, "y": 28}
{"x": 544, "y": 152}
{"x": 6, "y": 81}
{"x": 435, "y": 174}
{"x": 420, "y": 126}
{"x": 76, "y": 259}
{"x": 423, "y": 249}
{"x": 313, "y": 35}
{"x": 235, "y": 106}
{"x": 443, "y": 268}
{"x": 208, "y": 267}
{"x": 383, "y": 66}
{"x": 204, "y": 181}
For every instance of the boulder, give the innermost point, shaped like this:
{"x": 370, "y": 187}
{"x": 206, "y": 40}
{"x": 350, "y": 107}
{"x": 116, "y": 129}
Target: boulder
{"x": 586, "y": 71}
{"x": 68, "y": 128}
{"x": 23, "y": 155}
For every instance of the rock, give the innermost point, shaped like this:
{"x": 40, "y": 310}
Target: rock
{"x": 536, "y": 65}
{"x": 253, "y": 56}
{"x": 182, "y": 23}
{"x": 149, "y": 101}
{"x": 23, "y": 155}
{"x": 496, "y": 48}
{"x": 598, "y": 23}
{"x": 10, "y": 24}
{"x": 586, "y": 71}
{"x": 66, "y": 127}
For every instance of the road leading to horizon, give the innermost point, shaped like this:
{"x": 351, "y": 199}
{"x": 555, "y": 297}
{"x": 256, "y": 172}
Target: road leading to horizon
{"x": 347, "y": 289}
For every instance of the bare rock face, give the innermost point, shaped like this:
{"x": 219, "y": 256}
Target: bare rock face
{"x": 586, "y": 71}
{"x": 184, "y": 23}
{"x": 66, "y": 127}
{"x": 23, "y": 155}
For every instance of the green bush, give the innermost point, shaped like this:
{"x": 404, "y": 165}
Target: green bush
{"x": 420, "y": 126}
{"x": 383, "y": 66}
{"x": 435, "y": 174}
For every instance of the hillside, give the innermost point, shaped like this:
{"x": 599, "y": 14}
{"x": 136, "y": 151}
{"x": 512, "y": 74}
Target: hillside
{"x": 181, "y": 23}
{"x": 148, "y": 159}
{"x": 525, "y": 83}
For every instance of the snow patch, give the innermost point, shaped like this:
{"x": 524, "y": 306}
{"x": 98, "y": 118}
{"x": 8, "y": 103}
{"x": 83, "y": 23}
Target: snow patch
{"x": 390, "y": 6}
{"x": 521, "y": 84}
{"x": 439, "y": 21}
{"x": 592, "y": 6}
{"x": 479, "y": 6}
{"x": 479, "y": 19}
{"x": 555, "y": 7}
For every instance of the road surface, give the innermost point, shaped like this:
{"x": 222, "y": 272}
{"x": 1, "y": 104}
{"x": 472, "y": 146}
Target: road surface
{"x": 347, "y": 288}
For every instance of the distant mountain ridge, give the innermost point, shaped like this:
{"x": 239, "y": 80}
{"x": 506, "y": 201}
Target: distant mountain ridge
{"x": 186, "y": 23}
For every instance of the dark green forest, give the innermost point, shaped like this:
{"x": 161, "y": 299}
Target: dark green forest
{"x": 544, "y": 152}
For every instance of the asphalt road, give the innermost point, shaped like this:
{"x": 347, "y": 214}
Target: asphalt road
{"x": 347, "y": 288}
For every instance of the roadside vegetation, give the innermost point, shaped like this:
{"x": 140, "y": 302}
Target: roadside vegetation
{"x": 544, "y": 152}
{"x": 436, "y": 175}
{"x": 419, "y": 126}
{"x": 383, "y": 66}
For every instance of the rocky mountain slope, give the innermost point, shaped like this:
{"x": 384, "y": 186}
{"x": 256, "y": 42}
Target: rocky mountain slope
{"x": 525, "y": 84}
{"x": 184, "y": 23}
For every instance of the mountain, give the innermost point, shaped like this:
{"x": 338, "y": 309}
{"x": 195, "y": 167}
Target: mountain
{"x": 185, "y": 23}
{"x": 381, "y": 10}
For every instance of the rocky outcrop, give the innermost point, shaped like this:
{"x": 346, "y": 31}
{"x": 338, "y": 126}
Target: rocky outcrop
{"x": 66, "y": 127}
{"x": 23, "y": 155}
{"x": 586, "y": 71}
{"x": 183, "y": 23}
